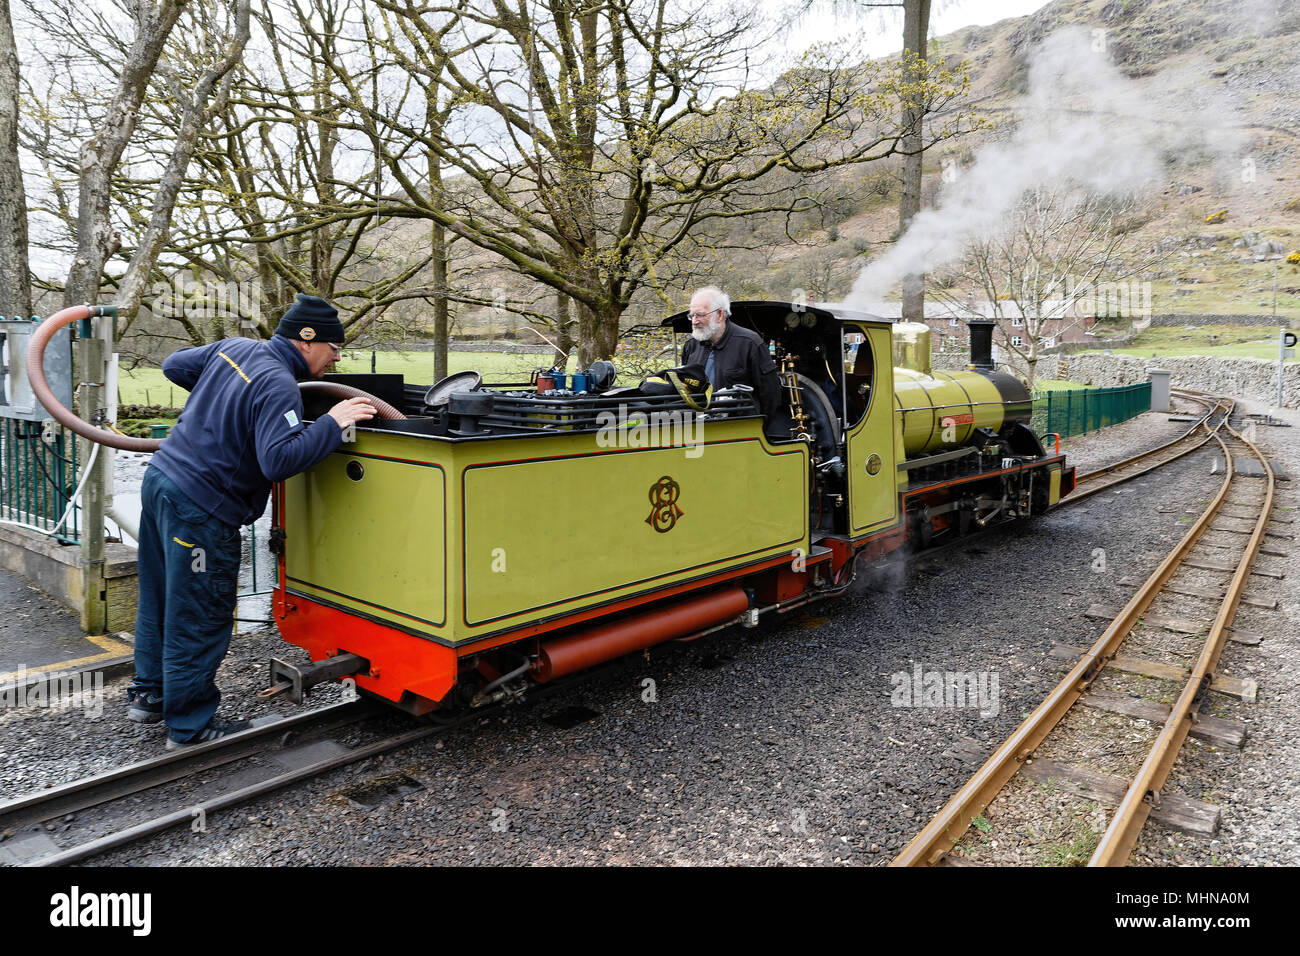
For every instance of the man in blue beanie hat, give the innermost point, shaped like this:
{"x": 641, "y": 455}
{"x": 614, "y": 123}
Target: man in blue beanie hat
{"x": 242, "y": 430}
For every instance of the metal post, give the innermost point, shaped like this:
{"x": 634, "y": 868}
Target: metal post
{"x": 90, "y": 376}
{"x": 1275, "y": 265}
{"x": 1281, "y": 361}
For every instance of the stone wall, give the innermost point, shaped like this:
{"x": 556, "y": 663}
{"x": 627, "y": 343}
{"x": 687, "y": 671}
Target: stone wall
{"x": 1255, "y": 379}
{"x": 1175, "y": 318}
{"x": 1069, "y": 348}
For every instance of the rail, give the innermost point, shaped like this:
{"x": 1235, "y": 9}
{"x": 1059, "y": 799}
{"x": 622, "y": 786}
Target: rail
{"x": 1120, "y": 471}
{"x": 947, "y": 828}
{"x": 1121, "y": 835}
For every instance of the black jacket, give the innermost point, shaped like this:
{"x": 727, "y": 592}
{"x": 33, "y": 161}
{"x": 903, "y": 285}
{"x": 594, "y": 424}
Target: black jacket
{"x": 739, "y": 358}
{"x": 242, "y": 428}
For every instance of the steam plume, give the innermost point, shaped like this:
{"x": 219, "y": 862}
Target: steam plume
{"x": 1083, "y": 126}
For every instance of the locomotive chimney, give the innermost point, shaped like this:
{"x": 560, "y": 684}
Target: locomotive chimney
{"x": 981, "y": 344}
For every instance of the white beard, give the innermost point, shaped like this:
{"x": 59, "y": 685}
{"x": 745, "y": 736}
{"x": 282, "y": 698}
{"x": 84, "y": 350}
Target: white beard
{"x": 705, "y": 333}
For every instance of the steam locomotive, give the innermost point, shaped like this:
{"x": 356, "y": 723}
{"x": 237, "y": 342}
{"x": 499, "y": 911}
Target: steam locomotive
{"x": 496, "y": 537}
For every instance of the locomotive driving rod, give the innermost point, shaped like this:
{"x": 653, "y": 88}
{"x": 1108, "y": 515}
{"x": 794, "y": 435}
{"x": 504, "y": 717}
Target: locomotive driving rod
{"x": 41, "y": 388}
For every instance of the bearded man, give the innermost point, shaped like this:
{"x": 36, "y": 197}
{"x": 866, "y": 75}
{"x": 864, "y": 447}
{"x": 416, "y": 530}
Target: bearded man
{"x": 731, "y": 355}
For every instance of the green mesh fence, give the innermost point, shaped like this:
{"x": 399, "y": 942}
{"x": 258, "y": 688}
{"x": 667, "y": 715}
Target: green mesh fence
{"x": 1075, "y": 411}
{"x": 38, "y": 474}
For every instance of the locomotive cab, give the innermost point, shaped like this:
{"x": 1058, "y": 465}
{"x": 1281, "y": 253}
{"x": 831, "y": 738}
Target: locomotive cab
{"x": 893, "y": 442}
{"x": 833, "y": 364}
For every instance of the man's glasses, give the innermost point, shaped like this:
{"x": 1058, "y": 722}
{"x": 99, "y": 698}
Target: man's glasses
{"x": 704, "y": 315}
{"x": 337, "y": 350}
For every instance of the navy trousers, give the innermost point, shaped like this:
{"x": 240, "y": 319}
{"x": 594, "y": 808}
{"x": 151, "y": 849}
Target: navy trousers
{"x": 188, "y": 564}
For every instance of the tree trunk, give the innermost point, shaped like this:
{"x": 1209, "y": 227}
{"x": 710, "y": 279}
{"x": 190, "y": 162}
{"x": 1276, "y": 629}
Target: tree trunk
{"x": 438, "y": 252}
{"x": 96, "y": 241}
{"x": 196, "y": 115}
{"x": 441, "y": 326}
{"x": 322, "y": 240}
{"x": 916, "y": 26}
{"x": 437, "y": 120}
{"x": 15, "y": 282}
{"x": 603, "y": 339}
{"x": 563, "y": 327}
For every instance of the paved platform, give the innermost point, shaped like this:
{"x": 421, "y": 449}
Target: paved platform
{"x": 38, "y": 634}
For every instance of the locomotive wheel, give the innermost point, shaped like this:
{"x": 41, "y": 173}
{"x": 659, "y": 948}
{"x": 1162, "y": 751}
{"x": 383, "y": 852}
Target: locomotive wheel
{"x": 922, "y": 527}
{"x": 965, "y": 517}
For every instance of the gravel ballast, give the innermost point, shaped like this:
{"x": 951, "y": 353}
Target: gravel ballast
{"x": 785, "y": 744}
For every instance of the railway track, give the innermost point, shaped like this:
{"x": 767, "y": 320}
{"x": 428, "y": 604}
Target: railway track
{"x": 1057, "y": 755}
{"x": 184, "y": 787}
{"x": 1217, "y": 412}
{"x": 118, "y": 794}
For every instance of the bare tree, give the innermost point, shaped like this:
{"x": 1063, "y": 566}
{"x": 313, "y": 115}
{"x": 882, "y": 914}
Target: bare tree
{"x": 598, "y": 140}
{"x": 279, "y": 200}
{"x": 15, "y": 279}
{"x": 200, "y": 102}
{"x": 101, "y": 153}
{"x": 1058, "y": 247}
{"x": 110, "y": 190}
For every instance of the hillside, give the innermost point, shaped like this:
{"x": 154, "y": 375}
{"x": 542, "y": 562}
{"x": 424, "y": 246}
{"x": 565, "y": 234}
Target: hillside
{"x": 1233, "y": 62}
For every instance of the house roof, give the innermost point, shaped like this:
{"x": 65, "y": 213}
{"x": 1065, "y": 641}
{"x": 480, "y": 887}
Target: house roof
{"x": 983, "y": 309}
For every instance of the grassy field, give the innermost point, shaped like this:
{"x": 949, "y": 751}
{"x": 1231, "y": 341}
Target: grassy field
{"x": 1056, "y": 385}
{"x": 1221, "y": 341}
{"x": 147, "y": 386}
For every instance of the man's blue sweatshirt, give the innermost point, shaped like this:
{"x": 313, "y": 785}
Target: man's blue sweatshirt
{"x": 242, "y": 426}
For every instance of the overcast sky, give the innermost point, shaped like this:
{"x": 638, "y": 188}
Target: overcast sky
{"x": 884, "y": 28}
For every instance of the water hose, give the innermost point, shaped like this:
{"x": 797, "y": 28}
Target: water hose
{"x": 339, "y": 390}
{"x": 41, "y": 389}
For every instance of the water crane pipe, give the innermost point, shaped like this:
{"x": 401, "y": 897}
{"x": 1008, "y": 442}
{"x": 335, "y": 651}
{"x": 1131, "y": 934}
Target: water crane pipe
{"x": 41, "y": 389}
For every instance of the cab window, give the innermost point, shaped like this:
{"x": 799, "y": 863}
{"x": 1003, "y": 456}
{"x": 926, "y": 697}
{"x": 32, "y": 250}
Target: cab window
{"x": 859, "y": 374}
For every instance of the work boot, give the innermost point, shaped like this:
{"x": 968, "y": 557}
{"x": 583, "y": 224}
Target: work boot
{"x": 145, "y": 706}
